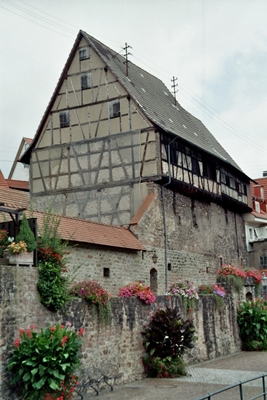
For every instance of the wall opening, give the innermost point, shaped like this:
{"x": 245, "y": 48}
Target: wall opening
{"x": 154, "y": 280}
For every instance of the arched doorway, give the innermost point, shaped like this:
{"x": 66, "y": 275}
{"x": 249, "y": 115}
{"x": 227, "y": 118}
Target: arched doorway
{"x": 154, "y": 280}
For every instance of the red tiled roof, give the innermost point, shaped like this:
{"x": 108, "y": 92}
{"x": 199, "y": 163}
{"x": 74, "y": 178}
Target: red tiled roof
{"x": 74, "y": 229}
{"x": 14, "y": 199}
{"x": 16, "y": 184}
{"x": 142, "y": 209}
{"x": 79, "y": 230}
{"x": 3, "y": 181}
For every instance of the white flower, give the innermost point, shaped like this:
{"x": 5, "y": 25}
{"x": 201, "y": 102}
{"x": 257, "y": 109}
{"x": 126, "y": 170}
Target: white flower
{"x": 10, "y": 239}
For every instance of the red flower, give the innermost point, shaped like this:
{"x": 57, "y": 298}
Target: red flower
{"x": 64, "y": 340}
{"x": 53, "y": 329}
{"x": 81, "y": 331}
{"x": 17, "y": 342}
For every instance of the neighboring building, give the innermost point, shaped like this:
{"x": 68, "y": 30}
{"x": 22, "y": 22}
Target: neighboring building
{"x": 256, "y": 225}
{"x": 113, "y": 137}
{"x": 20, "y": 171}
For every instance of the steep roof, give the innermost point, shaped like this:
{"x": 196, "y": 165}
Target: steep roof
{"x": 152, "y": 96}
{"x": 157, "y": 102}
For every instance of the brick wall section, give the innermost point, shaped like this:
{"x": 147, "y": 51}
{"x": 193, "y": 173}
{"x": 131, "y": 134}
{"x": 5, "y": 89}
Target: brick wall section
{"x": 120, "y": 341}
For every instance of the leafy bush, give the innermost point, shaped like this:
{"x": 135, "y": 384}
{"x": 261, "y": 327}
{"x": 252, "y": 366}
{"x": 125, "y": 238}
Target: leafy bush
{"x": 252, "y": 321}
{"x": 50, "y": 245}
{"x": 166, "y": 338}
{"x": 216, "y": 291}
{"x": 188, "y": 292}
{"x": 26, "y": 234}
{"x": 138, "y": 289}
{"x": 44, "y": 362}
{"x": 3, "y": 241}
{"x": 164, "y": 368}
{"x": 94, "y": 293}
{"x": 52, "y": 286}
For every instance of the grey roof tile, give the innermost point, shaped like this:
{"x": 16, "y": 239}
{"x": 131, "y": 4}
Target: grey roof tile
{"x": 157, "y": 102}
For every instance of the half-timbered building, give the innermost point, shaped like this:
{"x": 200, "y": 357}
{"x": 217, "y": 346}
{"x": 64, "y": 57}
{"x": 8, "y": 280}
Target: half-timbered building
{"x": 111, "y": 136}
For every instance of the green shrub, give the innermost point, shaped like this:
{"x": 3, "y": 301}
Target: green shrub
{"x": 26, "y": 234}
{"x": 52, "y": 286}
{"x": 166, "y": 338}
{"x": 252, "y": 321}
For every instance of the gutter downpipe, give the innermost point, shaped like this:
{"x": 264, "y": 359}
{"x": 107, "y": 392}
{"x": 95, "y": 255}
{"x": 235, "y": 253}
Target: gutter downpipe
{"x": 164, "y": 214}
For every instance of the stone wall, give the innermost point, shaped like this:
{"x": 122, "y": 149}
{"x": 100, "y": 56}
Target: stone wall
{"x": 120, "y": 341}
{"x": 200, "y": 236}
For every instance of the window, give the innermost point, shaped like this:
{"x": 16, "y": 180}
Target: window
{"x": 263, "y": 261}
{"x": 86, "y": 81}
{"x": 84, "y": 53}
{"x": 64, "y": 119}
{"x": 114, "y": 108}
{"x": 209, "y": 170}
{"x": 106, "y": 272}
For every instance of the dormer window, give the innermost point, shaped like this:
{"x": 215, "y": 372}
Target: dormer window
{"x": 114, "y": 108}
{"x": 86, "y": 81}
{"x": 64, "y": 119}
{"x": 84, "y": 53}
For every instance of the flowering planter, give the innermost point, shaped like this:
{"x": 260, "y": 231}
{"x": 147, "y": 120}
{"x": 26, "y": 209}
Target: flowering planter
{"x": 48, "y": 396}
{"x": 24, "y": 258}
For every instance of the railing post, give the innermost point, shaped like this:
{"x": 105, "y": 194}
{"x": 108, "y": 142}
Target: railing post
{"x": 263, "y": 387}
{"x": 240, "y": 391}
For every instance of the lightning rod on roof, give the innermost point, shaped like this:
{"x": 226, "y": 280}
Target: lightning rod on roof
{"x": 174, "y": 85}
{"x": 126, "y": 56}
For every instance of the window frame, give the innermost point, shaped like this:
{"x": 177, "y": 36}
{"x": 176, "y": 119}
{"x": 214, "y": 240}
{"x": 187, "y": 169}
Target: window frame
{"x": 113, "y": 112}
{"x": 86, "y": 81}
{"x": 85, "y": 51}
{"x": 64, "y": 119}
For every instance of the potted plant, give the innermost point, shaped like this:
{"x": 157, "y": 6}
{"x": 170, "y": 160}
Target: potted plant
{"x": 21, "y": 249}
{"x": 44, "y": 362}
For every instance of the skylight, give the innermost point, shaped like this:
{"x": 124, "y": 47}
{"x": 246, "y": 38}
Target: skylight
{"x": 166, "y": 94}
{"x": 174, "y": 106}
{"x": 184, "y": 126}
{"x": 142, "y": 75}
{"x": 143, "y": 89}
{"x": 195, "y": 134}
{"x": 170, "y": 120}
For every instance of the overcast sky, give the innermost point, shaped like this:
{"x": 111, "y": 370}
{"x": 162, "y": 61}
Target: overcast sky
{"x": 216, "y": 48}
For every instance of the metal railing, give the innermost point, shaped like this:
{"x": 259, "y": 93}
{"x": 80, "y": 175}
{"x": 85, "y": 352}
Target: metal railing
{"x": 263, "y": 394}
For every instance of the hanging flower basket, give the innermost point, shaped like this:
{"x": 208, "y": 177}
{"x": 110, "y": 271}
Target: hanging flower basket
{"x": 25, "y": 258}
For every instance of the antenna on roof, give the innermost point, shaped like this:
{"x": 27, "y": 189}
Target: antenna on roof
{"x": 126, "y": 56}
{"x": 174, "y": 85}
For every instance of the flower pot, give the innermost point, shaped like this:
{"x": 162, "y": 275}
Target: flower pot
{"x": 24, "y": 258}
{"x": 48, "y": 396}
